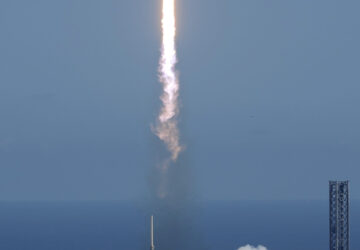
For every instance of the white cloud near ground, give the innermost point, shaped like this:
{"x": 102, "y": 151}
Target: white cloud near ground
{"x": 248, "y": 247}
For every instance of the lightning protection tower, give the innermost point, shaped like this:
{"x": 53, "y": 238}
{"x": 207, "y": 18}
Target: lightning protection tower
{"x": 152, "y": 246}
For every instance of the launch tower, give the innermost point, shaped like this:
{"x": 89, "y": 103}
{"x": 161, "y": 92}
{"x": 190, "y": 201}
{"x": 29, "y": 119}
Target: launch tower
{"x": 339, "y": 215}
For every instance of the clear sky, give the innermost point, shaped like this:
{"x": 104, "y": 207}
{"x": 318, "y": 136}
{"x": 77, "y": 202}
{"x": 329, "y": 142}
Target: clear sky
{"x": 269, "y": 91}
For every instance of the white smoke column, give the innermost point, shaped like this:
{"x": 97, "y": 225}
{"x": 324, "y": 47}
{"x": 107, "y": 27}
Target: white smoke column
{"x": 248, "y": 247}
{"x": 167, "y": 127}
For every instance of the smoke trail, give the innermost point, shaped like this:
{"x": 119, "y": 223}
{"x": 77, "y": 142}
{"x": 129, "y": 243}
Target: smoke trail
{"x": 167, "y": 127}
{"x": 248, "y": 247}
{"x": 172, "y": 197}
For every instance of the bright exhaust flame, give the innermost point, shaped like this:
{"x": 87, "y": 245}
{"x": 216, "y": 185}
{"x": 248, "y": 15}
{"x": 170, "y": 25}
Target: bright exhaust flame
{"x": 167, "y": 127}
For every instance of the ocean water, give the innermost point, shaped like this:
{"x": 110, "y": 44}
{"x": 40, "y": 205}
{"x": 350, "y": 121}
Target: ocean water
{"x": 278, "y": 225}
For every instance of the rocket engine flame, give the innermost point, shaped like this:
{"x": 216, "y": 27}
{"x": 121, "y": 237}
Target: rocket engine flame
{"x": 167, "y": 125}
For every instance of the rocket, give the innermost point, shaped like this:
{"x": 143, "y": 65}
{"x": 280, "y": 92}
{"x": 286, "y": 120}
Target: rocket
{"x": 152, "y": 247}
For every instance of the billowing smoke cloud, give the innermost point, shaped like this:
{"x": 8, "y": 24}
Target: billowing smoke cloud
{"x": 249, "y": 247}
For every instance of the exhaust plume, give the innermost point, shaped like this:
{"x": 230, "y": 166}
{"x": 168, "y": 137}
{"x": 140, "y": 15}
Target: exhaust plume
{"x": 249, "y": 247}
{"x": 171, "y": 179}
{"x": 167, "y": 126}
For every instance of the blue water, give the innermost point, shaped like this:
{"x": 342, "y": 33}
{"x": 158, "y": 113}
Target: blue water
{"x": 280, "y": 225}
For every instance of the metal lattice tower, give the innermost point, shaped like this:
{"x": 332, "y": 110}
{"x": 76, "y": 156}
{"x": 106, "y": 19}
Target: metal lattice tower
{"x": 339, "y": 215}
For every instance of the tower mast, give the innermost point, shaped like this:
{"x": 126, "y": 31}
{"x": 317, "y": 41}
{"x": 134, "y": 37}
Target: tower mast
{"x": 152, "y": 247}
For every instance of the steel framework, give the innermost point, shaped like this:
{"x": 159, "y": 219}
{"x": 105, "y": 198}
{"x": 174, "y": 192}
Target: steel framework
{"x": 339, "y": 215}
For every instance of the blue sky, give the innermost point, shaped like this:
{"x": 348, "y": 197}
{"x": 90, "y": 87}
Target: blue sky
{"x": 269, "y": 94}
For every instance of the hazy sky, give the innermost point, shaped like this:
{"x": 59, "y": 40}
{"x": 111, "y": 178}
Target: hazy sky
{"x": 269, "y": 90}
